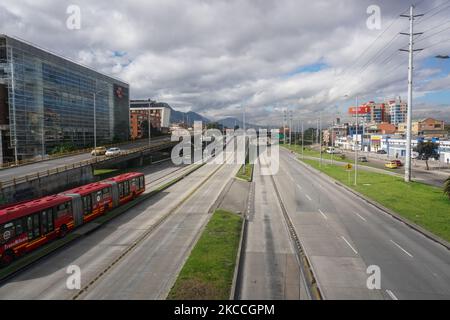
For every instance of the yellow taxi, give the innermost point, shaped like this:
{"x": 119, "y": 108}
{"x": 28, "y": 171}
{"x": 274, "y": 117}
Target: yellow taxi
{"x": 391, "y": 164}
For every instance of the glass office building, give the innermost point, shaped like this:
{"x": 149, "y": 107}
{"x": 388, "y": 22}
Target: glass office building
{"x": 47, "y": 100}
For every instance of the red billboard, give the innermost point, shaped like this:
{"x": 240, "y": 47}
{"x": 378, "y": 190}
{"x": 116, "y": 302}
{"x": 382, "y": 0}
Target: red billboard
{"x": 360, "y": 110}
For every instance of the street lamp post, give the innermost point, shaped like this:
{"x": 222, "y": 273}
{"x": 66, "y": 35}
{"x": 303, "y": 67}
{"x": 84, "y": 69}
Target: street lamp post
{"x": 303, "y": 147}
{"x": 245, "y": 142}
{"x": 95, "y": 117}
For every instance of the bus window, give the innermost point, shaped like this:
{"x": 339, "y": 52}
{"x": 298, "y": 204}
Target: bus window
{"x": 63, "y": 209}
{"x": 106, "y": 193}
{"x": 133, "y": 182}
{"x": 49, "y": 220}
{"x": 142, "y": 184}
{"x": 36, "y": 229}
{"x": 7, "y": 232}
{"x": 87, "y": 204}
{"x": 126, "y": 188}
{"x": 44, "y": 222}
{"x": 30, "y": 227}
{"x": 121, "y": 190}
{"x": 19, "y": 228}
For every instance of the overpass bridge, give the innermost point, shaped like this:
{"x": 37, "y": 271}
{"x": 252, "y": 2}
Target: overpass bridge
{"x": 46, "y": 177}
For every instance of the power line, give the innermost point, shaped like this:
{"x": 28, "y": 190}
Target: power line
{"x": 432, "y": 35}
{"x": 349, "y": 69}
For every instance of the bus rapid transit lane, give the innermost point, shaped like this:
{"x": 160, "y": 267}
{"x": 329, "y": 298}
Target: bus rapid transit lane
{"x": 271, "y": 269}
{"x": 151, "y": 269}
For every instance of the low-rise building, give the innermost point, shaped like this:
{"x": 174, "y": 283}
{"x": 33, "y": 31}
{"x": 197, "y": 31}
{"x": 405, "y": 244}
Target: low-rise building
{"x": 142, "y": 110}
{"x": 429, "y": 128}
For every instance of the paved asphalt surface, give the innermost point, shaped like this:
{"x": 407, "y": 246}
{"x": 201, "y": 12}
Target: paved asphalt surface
{"x": 343, "y": 235}
{"x": 270, "y": 269}
{"x": 150, "y": 268}
{"x": 20, "y": 171}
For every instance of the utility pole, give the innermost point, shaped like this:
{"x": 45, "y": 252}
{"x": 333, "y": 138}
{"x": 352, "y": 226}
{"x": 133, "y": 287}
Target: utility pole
{"x": 355, "y": 144}
{"x": 284, "y": 126}
{"x": 411, "y": 51}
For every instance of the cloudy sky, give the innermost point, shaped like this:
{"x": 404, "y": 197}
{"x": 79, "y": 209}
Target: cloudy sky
{"x": 217, "y": 56}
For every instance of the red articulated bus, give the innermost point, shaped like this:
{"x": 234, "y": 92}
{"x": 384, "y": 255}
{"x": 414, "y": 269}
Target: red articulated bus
{"x": 28, "y": 225}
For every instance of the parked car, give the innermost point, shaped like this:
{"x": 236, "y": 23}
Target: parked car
{"x": 363, "y": 159}
{"x": 99, "y": 151}
{"x": 391, "y": 164}
{"x": 112, "y": 152}
{"x": 381, "y": 152}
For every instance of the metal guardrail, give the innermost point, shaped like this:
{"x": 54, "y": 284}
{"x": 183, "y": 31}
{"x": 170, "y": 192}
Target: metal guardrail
{"x": 95, "y": 160}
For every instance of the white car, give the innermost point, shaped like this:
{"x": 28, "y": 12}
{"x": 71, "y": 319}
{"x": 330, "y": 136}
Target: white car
{"x": 332, "y": 150}
{"x": 112, "y": 152}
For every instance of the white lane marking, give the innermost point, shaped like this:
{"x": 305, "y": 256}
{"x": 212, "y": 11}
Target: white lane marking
{"x": 409, "y": 254}
{"x": 391, "y": 294}
{"x": 309, "y": 198}
{"x": 292, "y": 179}
{"x": 299, "y": 188}
{"x": 360, "y": 216}
{"x": 323, "y": 214}
{"x": 348, "y": 243}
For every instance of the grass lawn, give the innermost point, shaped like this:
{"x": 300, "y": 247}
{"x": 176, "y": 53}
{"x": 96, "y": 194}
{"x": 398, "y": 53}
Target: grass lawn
{"x": 312, "y": 153}
{"x": 248, "y": 173}
{"x": 336, "y": 157}
{"x": 101, "y": 172}
{"x": 208, "y": 272}
{"x": 422, "y": 204}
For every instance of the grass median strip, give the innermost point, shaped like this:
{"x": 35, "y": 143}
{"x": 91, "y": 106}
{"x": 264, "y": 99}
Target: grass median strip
{"x": 208, "y": 272}
{"x": 422, "y": 204}
{"x": 248, "y": 175}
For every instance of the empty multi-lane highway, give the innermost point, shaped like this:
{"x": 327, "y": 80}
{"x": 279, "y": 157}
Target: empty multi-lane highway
{"x": 343, "y": 235}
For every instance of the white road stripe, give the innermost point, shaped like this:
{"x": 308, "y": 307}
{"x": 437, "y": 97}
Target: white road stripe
{"x": 299, "y": 188}
{"x": 323, "y": 214}
{"x": 409, "y": 254}
{"x": 309, "y": 198}
{"x": 360, "y": 216}
{"x": 356, "y": 252}
{"x": 391, "y": 294}
{"x": 292, "y": 179}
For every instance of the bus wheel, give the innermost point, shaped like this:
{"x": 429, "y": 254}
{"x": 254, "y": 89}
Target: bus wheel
{"x": 7, "y": 258}
{"x": 63, "y": 231}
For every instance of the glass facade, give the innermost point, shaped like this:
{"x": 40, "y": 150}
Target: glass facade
{"x": 50, "y": 101}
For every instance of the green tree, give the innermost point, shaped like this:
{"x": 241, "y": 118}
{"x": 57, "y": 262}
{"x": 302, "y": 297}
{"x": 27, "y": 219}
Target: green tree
{"x": 426, "y": 150}
{"x": 447, "y": 187}
{"x": 214, "y": 125}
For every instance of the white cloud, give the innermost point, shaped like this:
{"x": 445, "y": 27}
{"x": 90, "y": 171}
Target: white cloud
{"x": 215, "y": 56}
